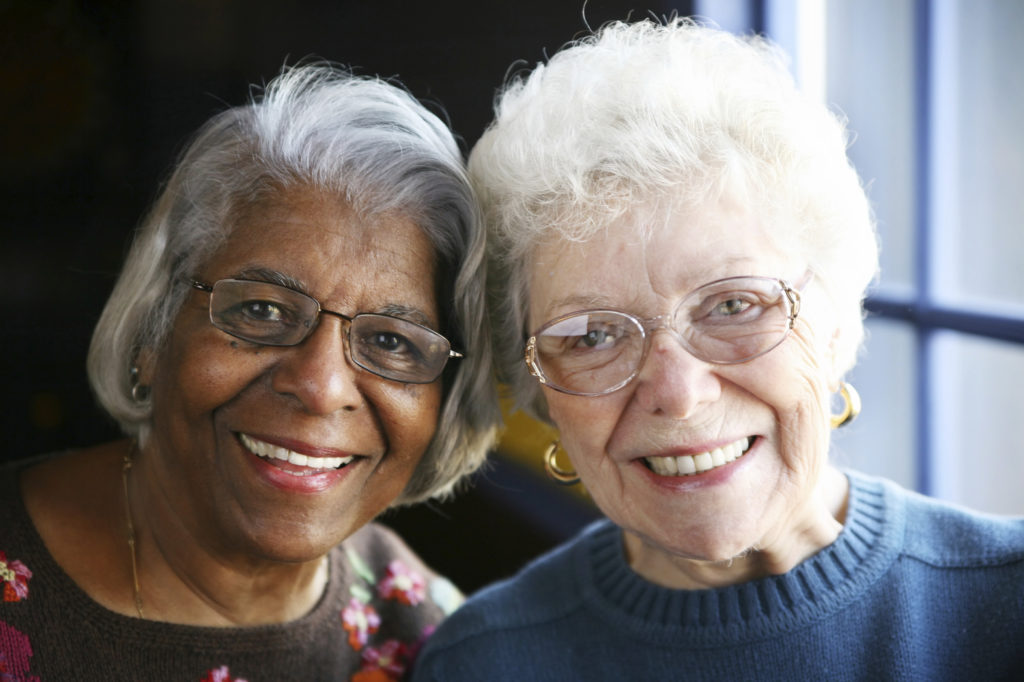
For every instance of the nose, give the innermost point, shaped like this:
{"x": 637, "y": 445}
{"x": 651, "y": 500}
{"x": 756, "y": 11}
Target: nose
{"x": 318, "y": 372}
{"x": 672, "y": 382}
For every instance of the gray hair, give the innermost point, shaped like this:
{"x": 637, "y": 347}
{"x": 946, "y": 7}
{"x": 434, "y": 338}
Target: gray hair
{"x": 374, "y": 146}
{"x": 680, "y": 115}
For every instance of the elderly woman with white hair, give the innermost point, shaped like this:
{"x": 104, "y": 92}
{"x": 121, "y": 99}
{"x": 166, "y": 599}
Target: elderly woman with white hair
{"x": 680, "y": 249}
{"x": 297, "y": 342}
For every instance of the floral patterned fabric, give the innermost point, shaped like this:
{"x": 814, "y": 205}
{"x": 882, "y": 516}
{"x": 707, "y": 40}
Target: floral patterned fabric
{"x": 380, "y": 605}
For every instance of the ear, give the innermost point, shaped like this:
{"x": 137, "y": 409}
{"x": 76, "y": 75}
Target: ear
{"x": 146, "y": 363}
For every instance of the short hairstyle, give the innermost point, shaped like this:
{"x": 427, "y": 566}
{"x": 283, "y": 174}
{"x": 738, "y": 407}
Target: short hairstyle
{"x": 677, "y": 114}
{"x": 371, "y": 144}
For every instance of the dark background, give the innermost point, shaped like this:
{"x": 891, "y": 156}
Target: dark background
{"x": 97, "y": 99}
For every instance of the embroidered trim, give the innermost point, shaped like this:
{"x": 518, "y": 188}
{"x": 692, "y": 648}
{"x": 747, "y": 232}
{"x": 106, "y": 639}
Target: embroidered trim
{"x": 360, "y": 621}
{"x": 388, "y": 661}
{"x": 15, "y": 576}
{"x": 15, "y": 650}
{"x": 384, "y": 664}
{"x": 221, "y": 674}
{"x": 402, "y": 584}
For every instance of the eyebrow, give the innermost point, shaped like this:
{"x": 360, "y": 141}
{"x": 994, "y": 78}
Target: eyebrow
{"x": 276, "y": 277}
{"x": 705, "y": 276}
{"x": 406, "y": 313}
{"x": 273, "y": 277}
{"x": 581, "y": 302}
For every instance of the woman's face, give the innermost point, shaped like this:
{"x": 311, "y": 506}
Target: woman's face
{"x": 218, "y": 400}
{"x": 773, "y": 407}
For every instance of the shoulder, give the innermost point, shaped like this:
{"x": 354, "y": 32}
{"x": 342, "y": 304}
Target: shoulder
{"x": 378, "y": 558}
{"x": 943, "y": 534}
{"x": 382, "y": 550}
{"x": 546, "y": 590}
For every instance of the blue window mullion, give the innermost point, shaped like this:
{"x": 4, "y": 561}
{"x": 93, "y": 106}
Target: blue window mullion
{"x": 986, "y": 325}
{"x": 922, "y": 245}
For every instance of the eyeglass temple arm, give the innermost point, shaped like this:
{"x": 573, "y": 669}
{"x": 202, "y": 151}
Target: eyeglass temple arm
{"x": 530, "y": 357}
{"x": 196, "y": 284}
{"x": 793, "y": 296}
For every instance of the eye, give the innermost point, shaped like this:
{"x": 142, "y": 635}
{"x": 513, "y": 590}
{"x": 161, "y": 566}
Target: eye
{"x": 262, "y": 311}
{"x": 388, "y": 342}
{"x": 731, "y": 306}
{"x": 598, "y": 338}
{"x": 585, "y": 333}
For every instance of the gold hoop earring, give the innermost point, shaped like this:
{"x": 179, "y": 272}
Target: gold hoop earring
{"x": 851, "y": 406}
{"x": 559, "y": 475}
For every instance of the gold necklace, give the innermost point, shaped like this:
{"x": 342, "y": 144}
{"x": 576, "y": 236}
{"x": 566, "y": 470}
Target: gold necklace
{"x": 125, "y": 468}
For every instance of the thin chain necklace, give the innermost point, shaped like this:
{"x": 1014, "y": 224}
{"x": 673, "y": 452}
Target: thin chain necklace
{"x": 125, "y": 468}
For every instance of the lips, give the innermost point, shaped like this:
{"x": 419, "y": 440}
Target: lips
{"x": 690, "y": 465}
{"x": 301, "y": 465}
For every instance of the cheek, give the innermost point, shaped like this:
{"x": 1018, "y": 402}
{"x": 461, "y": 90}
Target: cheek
{"x": 409, "y": 417}
{"x": 585, "y": 425}
{"x": 196, "y": 374}
{"x": 796, "y": 388}
{"x": 793, "y": 376}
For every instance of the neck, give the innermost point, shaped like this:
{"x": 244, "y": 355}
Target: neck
{"x": 181, "y": 580}
{"x": 819, "y": 524}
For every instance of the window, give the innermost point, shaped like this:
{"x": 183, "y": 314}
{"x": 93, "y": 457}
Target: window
{"x": 934, "y": 93}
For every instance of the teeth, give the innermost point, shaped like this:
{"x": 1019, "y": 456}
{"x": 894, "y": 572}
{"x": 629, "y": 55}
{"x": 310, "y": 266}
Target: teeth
{"x": 268, "y": 451}
{"x": 686, "y": 465}
{"x": 702, "y": 462}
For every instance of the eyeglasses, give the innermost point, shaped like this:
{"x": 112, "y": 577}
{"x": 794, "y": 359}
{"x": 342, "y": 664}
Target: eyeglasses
{"x": 275, "y": 315}
{"x": 726, "y": 322}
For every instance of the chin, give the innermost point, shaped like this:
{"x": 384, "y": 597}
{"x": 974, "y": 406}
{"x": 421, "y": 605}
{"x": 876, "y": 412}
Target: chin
{"x": 290, "y": 544}
{"x": 706, "y": 546}
{"x": 292, "y": 555}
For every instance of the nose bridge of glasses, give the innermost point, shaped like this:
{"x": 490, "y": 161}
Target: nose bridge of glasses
{"x": 346, "y": 319}
{"x": 345, "y": 326}
{"x": 671, "y": 324}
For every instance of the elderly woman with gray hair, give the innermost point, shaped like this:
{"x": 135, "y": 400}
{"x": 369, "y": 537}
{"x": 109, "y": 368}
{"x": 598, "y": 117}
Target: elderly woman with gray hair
{"x": 297, "y": 343}
{"x": 681, "y": 249}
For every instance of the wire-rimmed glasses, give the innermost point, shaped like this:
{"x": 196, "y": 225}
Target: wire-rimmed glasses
{"x": 275, "y": 315}
{"x": 728, "y": 321}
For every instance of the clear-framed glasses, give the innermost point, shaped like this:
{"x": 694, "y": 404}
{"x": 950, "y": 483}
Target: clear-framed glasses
{"x": 274, "y": 315}
{"x": 729, "y": 321}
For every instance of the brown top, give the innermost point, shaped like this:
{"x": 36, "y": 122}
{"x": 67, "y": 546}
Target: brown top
{"x": 379, "y": 604}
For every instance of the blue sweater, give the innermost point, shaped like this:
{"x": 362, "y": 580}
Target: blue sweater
{"x": 913, "y": 589}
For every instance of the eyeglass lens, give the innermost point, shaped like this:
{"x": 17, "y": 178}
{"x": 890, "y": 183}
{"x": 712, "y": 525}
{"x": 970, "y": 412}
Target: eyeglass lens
{"x": 273, "y": 315}
{"x": 725, "y": 322}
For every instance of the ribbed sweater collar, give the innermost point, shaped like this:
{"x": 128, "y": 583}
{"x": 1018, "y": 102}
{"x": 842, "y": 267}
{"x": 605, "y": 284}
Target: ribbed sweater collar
{"x": 822, "y": 584}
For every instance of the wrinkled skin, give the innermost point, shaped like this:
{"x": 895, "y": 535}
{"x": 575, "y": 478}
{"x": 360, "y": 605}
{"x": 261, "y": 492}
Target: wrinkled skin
{"x": 762, "y": 513}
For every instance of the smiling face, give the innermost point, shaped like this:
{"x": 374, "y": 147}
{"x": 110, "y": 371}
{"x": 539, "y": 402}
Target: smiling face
{"x": 767, "y": 416}
{"x": 220, "y": 402}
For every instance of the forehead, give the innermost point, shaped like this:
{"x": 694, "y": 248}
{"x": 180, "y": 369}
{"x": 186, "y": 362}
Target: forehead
{"x": 336, "y": 255}
{"x": 647, "y": 259}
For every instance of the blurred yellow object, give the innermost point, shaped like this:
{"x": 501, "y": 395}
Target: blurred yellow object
{"x": 526, "y": 439}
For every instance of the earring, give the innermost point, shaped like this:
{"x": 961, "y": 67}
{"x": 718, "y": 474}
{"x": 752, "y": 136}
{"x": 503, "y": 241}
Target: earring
{"x": 562, "y": 476}
{"x": 851, "y": 406}
{"x": 139, "y": 392}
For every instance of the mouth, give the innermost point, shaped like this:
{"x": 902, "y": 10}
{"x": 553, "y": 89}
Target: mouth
{"x": 690, "y": 465}
{"x": 300, "y": 464}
